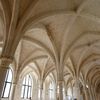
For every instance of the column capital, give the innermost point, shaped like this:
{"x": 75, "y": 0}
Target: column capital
{"x": 6, "y": 59}
{"x": 41, "y": 87}
{"x": 60, "y": 81}
{"x": 4, "y": 62}
{"x": 40, "y": 84}
{"x": 14, "y": 84}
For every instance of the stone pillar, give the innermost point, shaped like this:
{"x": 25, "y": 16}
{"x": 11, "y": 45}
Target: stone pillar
{"x": 92, "y": 90}
{"x": 89, "y": 90}
{"x": 13, "y": 90}
{"x": 55, "y": 92}
{"x": 65, "y": 92}
{"x": 4, "y": 66}
{"x": 76, "y": 90}
{"x": 14, "y": 84}
{"x": 90, "y": 93}
{"x": 46, "y": 92}
{"x": 35, "y": 90}
{"x": 72, "y": 93}
{"x": 86, "y": 93}
{"x": 60, "y": 90}
{"x": 40, "y": 92}
{"x": 18, "y": 88}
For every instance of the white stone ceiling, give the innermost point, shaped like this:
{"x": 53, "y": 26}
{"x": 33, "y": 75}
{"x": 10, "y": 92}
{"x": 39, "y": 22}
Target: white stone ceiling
{"x": 61, "y": 35}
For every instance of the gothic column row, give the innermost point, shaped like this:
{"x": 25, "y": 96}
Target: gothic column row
{"x": 4, "y": 66}
{"x": 58, "y": 92}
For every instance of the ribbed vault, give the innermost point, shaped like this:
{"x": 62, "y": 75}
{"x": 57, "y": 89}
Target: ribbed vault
{"x": 61, "y": 37}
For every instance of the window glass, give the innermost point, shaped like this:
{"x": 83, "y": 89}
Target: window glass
{"x": 7, "y": 84}
{"x": 22, "y": 91}
{"x": 39, "y": 93}
{"x": 7, "y": 88}
{"x": 26, "y": 87}
{"x": 27, "y": 77}
{"x": 26, "y": 91}
{"x": 29, "y": 94}
{"x": 30, "y": 81}
{"x": 9, "y": 79}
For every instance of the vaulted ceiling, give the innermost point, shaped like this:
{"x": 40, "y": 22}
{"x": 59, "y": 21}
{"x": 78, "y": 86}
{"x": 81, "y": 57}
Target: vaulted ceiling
{"x": 61, "y": 35}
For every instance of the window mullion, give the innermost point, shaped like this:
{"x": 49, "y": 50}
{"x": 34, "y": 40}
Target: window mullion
{"x": 7, "y": 75}
{"x": 24, "y": 91}
{"x": 28, "y": 87}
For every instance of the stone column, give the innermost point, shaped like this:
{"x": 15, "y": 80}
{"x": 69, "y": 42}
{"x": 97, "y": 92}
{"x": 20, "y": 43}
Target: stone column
{"x": 4, "y": 66}
{"x": 72, "y": 93}
{"x": 60, "y": 90}
{"x": 55, "y": 92}
{"x": 17, "y": 90}
{"x": 46, "y": 92}
{"x": 14, "y": 84}
{"x": 89, "y": 90}
{"x": 66, "y": 93}
{"x": 40, "y": 92}
{"x": 92, "y": 90}
{"x": 76, "y": 90}
{"x": 13, "y": 90}
{"x": 86, "y": 93}
{"x": 35, "y": 90}
{"x": 90, "y": 93}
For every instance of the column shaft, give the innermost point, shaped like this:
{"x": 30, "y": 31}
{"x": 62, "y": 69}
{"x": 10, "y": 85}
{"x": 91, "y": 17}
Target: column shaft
{"x": 40, "y": 91}
{"x": 60, "y": 90}
{"x": 13, "y": 91}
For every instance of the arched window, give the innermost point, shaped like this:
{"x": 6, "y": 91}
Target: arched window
{"x": 7, "y": 84}
{"x": 26, "y": 92}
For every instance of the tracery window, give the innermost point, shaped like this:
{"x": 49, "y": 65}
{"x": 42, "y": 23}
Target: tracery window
{"x": 26, "y": 92}
{"x": 7, "y": 84}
